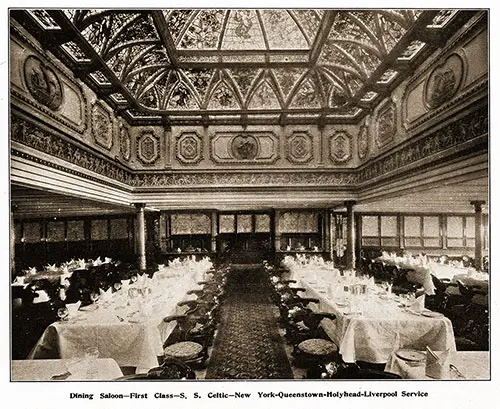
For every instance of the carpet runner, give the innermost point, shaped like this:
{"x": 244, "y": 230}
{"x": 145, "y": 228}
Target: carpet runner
{"x": 248, "y": 344}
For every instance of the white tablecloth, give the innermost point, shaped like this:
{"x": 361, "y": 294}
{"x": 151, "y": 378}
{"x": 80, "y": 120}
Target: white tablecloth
{"x": 371, "y": 336}
{"x": 472, "y": 364}
{"x": 44, "y": 369}
{"x": 129, "y": 330}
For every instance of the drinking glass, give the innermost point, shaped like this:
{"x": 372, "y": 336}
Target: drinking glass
{"x": 63, "y": 313}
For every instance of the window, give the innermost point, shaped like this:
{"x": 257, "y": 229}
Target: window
{"x": 422, "y": 231}
{"x": 460, "y": 231}
{"x": 379, "y": 231}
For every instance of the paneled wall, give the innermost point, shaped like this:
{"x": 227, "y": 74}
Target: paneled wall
{"x": 46, "y": 241}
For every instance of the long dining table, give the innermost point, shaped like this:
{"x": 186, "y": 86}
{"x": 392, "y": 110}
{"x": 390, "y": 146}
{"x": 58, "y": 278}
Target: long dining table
{"x": 127, "y": 326}
{"x": 370, "y": 326}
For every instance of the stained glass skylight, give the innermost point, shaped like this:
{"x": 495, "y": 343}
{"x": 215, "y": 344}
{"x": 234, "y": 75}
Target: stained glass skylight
{"x": 204, "y": 62}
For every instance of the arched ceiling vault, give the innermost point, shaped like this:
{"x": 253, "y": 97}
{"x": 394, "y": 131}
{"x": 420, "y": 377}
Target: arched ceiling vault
{"x": 269, "y": 66}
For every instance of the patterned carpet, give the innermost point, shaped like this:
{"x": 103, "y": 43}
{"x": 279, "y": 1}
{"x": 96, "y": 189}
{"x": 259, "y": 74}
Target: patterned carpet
{"x": 248, "y": 344}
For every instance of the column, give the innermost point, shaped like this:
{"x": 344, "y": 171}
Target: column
{"x": 213, "y": 243}
{"x": 141, "y": 235}
{"x": 277, "y": 232}
{"x": 163, "y": 232}
{"x": 351, "y": 236}
{"x": 478, "y": 253}
{"x": 326, "y": 231}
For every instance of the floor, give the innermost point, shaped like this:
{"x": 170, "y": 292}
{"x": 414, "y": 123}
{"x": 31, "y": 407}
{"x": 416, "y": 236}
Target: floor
{"x": 248, "y": 343}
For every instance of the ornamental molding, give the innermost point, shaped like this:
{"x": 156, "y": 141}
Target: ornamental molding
{"x": 470, "y": 128}
{"x": 244, "y": 147}
{"x": 341, "y": 147}
{"x": 429, "y": 65}
{"x": 125, "y": 142}
{"x": 444, "y": 81}
{"x": 386, "y": 123}
{"x": 363, "y": 142}
{"x": 102, "y": 125}
{"x": 299, "y": 147}
{"x": 25, "y": 96}
{"x": 33, "y": 136}
{"x": 148, "y": 147}
{"x": 467, "y": 128}
{"x": 189, "y": 148}
{"x": 43, "y": 83}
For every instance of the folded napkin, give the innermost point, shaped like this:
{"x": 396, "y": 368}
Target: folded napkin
{"x": 82, "y": 263}
{"x": 41, "y": 297}
{"x": 418, "y": 306}
{"x": 19, "y": 280}
{"x": 107, "y": 260}
{"x": 105, "y": 295}
{"x": 437, "y": 364}
{"x": 97, "y": 262}
{"x": 73, "y": 307}
{"x": 32, "y": 271}
{"x": 51, "y": 267}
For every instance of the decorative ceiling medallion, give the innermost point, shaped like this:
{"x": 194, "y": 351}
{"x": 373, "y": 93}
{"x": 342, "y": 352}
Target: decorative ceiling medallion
{"x": 341, "y": 147}
{"x": 386, "y": 124}
{"x": 189, "y": 148}
{"x": 244, "y": 147}
{"x": 363, "y": 142}
{"x": 43, "y": 83}
{"x": 148, "y": 147}
{"x": 444, "y": 81}
{"x": 299, "y": 147}
{"x": 125, "y": 143}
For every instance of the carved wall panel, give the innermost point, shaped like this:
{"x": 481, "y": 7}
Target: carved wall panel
{"x": 363, "y": 142}
{"x": 102, "y": 126}
{"x": 43, "y": 83}
{"x": 148, "y": 147}
{"x": 453, "y": 77}
{"x": 340, "y": 147}
{"x": 299, "y": 147}
{"x": 40, "y": 84}
{"x": 125, "y": 142}
{"x": 444, "y": 81}
{"x": 386, "y": 124}
{"x": 244, "y": 147}
{"x": 189, "y": 148}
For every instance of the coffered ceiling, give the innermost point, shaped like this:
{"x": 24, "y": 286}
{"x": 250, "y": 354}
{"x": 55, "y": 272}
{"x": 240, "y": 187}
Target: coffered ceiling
{"x": 241, "y": 66}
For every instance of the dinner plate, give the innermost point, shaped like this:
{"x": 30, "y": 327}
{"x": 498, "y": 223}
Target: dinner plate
{"x": 432, "y": 314}
{"x": 411, "y": 355}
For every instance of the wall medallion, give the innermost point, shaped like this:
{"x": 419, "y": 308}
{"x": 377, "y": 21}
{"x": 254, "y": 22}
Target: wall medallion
{"x": 299, "y": 147}
{"x": 444, "y": 81}
{"x": 125, "y": 142}
{"x": 386, "y": 124}
{"x": 43, "y": 83}
{"x": 241, "y": 147}
{"x": 102, "y": 126}
{"x": 244, "y": 147}
{"x": 189, "y": 148}
{"x": 363, "y": 142}
{"x": 340, "y": 147}
{"x": 148, "y": 147}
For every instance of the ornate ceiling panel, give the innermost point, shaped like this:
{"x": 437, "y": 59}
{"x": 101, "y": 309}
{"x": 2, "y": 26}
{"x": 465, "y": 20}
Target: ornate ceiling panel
{"x": 296, "y": 66}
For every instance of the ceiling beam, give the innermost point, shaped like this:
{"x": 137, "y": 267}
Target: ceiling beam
{"x": 322, "y": 36}
{"x": 164, "y": 32}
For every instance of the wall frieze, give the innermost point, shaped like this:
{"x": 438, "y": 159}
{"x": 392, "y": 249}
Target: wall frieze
{"x": 468, "y": 128}
{"x": 452, "y": 135}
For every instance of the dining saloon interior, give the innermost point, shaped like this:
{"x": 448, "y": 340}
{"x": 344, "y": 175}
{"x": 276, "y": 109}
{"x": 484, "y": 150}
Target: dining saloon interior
{"x": 249, "y": 194}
